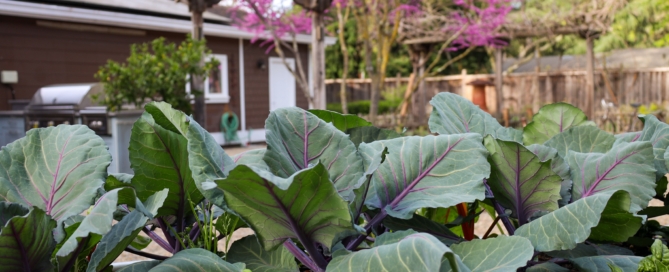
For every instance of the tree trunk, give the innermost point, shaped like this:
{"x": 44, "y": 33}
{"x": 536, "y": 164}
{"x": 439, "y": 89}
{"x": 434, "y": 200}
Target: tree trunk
{"x": 374, "y": 92}
{"x": 499, "y": 81}
{"x": 344, "y": 51}
{"x": 197, "y": 82}
{"x": 421, "y": 98}
{"x": 590, "y": 77}
{"x": 318, "y": 56}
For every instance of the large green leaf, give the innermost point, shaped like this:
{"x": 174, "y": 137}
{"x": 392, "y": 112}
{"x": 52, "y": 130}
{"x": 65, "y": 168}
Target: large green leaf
{"x": 248, "y": 251}
{"x": 601, "y": 263}
{"x": 116, "y": 240}
{"x": 167, "y": 117}
{"x": 430, "y": 171}
{"x": 572, "y": 224}
{"x": 623, "y": 168}
{"x": 503, "y": 253}
{"x": 342, "y": 122}
{"x": 252, "y": 158}
{"x": 26, "y": 238}
{"x": 159, "y": 158}
{"x": 584, "y": 139}
{"x": 399, "y": 251}
{"x": 57, "y": 169}
{"x": 546, "y": 153}
{"x": 656, "y": 132}
{"x": 552, "y": 119}
{"x": 370, "y": 134}
{"x": 98, "y": 221}
{"x": 305, "y": 205}
{"x": 196, "y": 259}
{"x": 453, "y": 114}
{"x": 206, "y": 159}
{"x": 297, "y": 139}
{"x": 520, "y": 181}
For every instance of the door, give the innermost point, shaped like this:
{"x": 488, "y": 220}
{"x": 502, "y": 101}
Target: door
{"x": 281, "y": 84}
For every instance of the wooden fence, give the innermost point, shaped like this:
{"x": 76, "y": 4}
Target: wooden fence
{"x": 523, "y": 91}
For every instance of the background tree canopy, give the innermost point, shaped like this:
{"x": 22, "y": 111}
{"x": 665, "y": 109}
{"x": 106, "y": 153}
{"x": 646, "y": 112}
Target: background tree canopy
{"x": 155, "y": 71}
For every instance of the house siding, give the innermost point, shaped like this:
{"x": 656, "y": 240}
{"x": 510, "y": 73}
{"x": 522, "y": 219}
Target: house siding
{"x": 257, "y": 83}
{"x": 44, "y": 56}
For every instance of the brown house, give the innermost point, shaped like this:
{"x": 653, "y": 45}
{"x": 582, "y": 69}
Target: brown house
{"x": 66, "y": 41}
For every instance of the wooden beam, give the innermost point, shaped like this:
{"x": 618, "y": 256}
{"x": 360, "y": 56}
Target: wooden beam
{"x": 499, "y": 83}
{"x": 590, "y": 76}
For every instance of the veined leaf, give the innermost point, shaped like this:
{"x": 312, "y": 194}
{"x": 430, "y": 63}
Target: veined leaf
{"x": 252, "y": 158}
{"x": 502, "y": 253}
{"x": 57, "y": 169}
{"x": 430, "y": 171}
{"x": 196, "y": 259}
{"x": 572, "y": 224}
{"x": 601, "y": 263}
{"x": 551, "y": 120}
{"x": 656, "y": 132}
{"x": 399, "y": 251}
{"x": 520, "y": 181}
{"x": 248, "y": 251}
{"x": 370, "y": 134}
{"x": 559, "y": 166}
{"x": 305, "y": 206}
{"x": 26, "y": 238}
{"x": 297, "y": 139}
{"x": 116, "y": 240}
{"x": 342, "y": 122}
{"x": 98, "y": 221}
{"x": 584, "y": 139}
{"x": 623, "y": 168}
{"x": 453, "y": 114}
{"x": 167, "y": 117}
{"x": 206, "y": 159}
{"x": 159, "y": 158}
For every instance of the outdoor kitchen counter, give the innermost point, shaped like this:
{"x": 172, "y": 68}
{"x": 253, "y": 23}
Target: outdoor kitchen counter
{"x": 12, "y": 126}
{"x": 11, "y": 113}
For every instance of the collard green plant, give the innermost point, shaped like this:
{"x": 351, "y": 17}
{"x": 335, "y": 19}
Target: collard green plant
{"x": 333, "y": 193}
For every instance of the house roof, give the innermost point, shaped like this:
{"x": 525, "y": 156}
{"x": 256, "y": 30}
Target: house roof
{"x": 166, "y": 7}
{"x": 140, "y": 17}
{"x": 633, "y": 58}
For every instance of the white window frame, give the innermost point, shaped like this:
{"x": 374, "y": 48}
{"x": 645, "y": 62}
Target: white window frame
{"x": 218, "y": 98}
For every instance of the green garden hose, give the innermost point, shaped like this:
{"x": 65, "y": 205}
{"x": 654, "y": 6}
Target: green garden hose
{"x": 229, "y": 126}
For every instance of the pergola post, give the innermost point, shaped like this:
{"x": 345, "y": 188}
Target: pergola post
{"x": 590, "y": 75}
{"x": 499, "y": 81}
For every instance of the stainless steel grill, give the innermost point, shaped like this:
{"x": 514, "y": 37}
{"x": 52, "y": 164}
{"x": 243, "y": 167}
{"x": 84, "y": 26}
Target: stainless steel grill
{"x": 67, "y": 104}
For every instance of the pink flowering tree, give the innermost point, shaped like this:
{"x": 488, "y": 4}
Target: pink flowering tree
{"x": 440, "y": 31}
{"x": 277, "y": 28}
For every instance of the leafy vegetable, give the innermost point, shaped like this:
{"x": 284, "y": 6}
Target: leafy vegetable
{"x": 453, "y": 114}
{"x": 584, "y": 139}
{"x": 551, "y": 120}
{"x": 26, "y": 240}
{"x": 57, "y": 169}
{"x": 520, "y": 181}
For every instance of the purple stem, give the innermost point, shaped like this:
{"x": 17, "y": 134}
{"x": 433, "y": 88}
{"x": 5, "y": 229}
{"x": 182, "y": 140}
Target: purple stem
{"x": 500, "y": 210}
{"x": 368, "y": 229}
{"x": 154, "y": 236}
{"x": 194, "y": 232}
{"x": 299, "y": 254}
{"x": 166, "y": 232}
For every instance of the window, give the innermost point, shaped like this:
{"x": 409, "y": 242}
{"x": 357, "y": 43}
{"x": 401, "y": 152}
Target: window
{"x": 216, "y": 84}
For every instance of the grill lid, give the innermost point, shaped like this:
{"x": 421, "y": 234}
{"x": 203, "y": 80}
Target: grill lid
{"x": 65, "y": 97}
